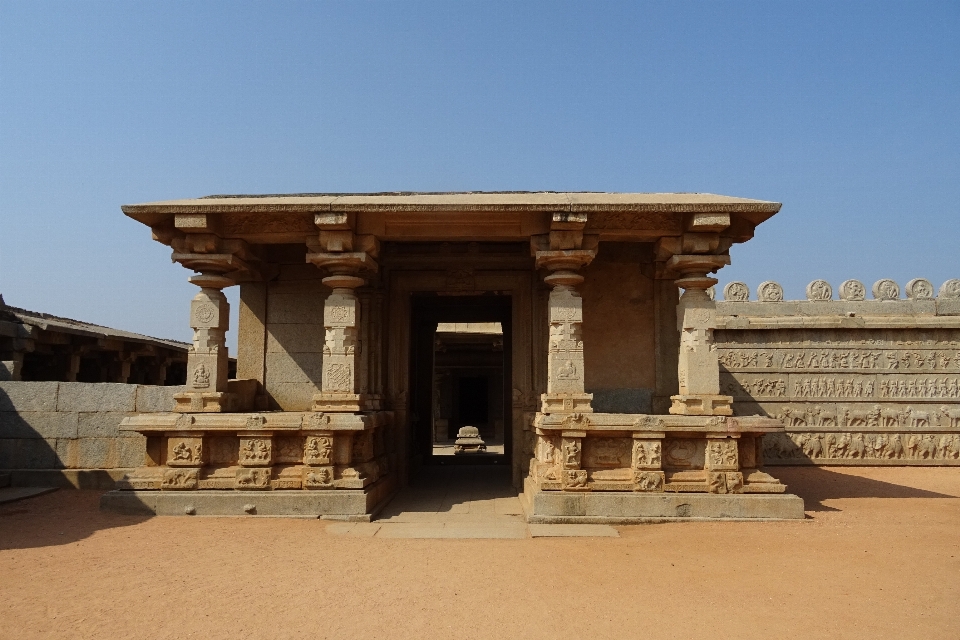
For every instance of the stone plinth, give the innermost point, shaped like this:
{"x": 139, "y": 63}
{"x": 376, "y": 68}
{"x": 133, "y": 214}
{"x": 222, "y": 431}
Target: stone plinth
{"x": 270, "y": 451}
{"x": 648, "y": 453}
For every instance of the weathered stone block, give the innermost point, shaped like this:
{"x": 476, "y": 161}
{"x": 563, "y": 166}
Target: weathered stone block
{"x": 38, "y": 424}
{"x": 28, "y": 453}
{"x": 96, "y": 396}
{"x": 67, "y": 453}
{"x": 948, "y": 306}
{"x": 131, "y": 452}
{"x": 156, "y": 399}
{"x": 294, "y": 367}
{"x": 28, "y": 396}
{"x": 96, "y": 453}
{"x": 295, "y": 338}
{"x": 101, "y": 424}
{"x": 293, "y": 396}
{"x": 305, "y": 308}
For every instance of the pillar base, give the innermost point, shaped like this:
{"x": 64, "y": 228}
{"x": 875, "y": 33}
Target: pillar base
{"x": 206, "y": 402}
{"x": 566, "y": 403}
{"x": 561, "y": 507}
{"x": 345, "y": 402}
{"x": 357, "y": 505}
{"x": 701, "y": 405}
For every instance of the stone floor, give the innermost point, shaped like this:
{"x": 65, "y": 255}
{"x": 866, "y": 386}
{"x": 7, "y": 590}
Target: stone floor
{"x": 460, "y": 502}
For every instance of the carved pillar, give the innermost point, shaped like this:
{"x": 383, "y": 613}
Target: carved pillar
{"x": 699, "y": 368}
{"x": 207, "y": 360}
{"x": 565, "y": 374}
{"x": 345, "y": 376}
{"x": 198, "y": 245}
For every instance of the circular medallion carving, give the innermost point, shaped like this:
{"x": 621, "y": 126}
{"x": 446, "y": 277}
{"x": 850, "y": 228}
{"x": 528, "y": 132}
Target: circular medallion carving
{"x": 206, "y": 313}
{"x": 819, "y": 291}
{"x": 886, "y": 290}
{"x": 920, "y": 289}
{"x": 950, "y": 289}
{"x": 770, "y": 291}
{"x": 853, "y": 291}
{"x": 736, "y": 292}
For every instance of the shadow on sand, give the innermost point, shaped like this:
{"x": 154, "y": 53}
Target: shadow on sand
{"x": 819, "y": 484}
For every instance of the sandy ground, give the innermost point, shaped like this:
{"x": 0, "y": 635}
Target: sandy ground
{"x": 877, "y": 557}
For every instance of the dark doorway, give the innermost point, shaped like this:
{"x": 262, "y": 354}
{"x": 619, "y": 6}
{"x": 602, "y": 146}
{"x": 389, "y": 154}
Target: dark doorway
{"x": 460, "y": 377}
{"x": 474, "y": 399}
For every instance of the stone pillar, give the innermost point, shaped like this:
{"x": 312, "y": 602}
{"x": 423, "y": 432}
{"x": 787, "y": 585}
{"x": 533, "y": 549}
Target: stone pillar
{"x": 344, "y": 375}
{"x": 565, "y": 374}
{"x": 207, "y": 360}
{"x": 699, "y": 368}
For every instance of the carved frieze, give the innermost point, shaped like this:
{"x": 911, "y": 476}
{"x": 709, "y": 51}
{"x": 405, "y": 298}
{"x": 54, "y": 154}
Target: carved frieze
{"x": 318, "y": 450}
{"x": 854, "y": 445}
{"x": 253, "y": 479}
{"x": 180, "y": 479}
{"x": 256, "y": 451}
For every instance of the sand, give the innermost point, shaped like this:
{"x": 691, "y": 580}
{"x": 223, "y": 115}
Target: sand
{"x": 877, "y": 557}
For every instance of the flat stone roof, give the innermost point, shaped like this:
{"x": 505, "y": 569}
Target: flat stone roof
{"x": 577, "y": 201}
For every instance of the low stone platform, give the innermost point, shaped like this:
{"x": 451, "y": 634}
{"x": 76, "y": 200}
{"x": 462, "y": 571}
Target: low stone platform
{"x": 609, "y": 507}
{"x": 342, "y": 504}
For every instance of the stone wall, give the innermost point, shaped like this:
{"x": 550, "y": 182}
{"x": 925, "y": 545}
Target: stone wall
{"x": 854, "y": 381}
{"x": 65, "y": 433}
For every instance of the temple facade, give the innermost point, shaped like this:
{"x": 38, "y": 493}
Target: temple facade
{"x": 567, "y": 335}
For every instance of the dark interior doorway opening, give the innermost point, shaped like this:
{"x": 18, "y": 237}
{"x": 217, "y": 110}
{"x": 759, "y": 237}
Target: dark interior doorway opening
{"x": 460, "y": 372}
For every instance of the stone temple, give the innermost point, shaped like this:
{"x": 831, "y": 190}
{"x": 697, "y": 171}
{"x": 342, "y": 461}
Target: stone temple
{"x": 573, "y": 332}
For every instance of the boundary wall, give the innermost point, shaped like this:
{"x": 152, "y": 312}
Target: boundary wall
{"x": 66, "y": 433}
{"x": 854, "y": 381}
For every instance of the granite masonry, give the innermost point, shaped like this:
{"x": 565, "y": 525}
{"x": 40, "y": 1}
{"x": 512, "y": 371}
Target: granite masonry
{"x": 854, "y": 381}
{"x": 612, "y": 408}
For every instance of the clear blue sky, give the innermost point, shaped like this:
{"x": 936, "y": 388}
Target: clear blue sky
{"x": 848, "y": 113}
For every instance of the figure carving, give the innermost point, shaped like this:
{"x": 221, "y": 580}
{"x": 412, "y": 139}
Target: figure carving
{"x": 253, "y": 478}
{"x": 255, "y": 450}
{"x": 648, "y": 480}
{"x": 853, "y": 291}
{"x": 886, "y": 290}
{"x": 919, "y": 289}
{"x": 318, "y": 449}
{"x": 184, "y": 452}
{"x": 567, "y": 371}
{"x": 201, "y": 377}
{"x": 819, "y": 290}
{"x": 646, "y": 453}
{"x": 321, "y": 477}
{"x": 770, "y": 291}
{"x": 950, "y": 289}
{"x": 575, "y": 478}
{"x": 736, "y": 292}
{"x": 571, "y": 453}
{"x": 723, "y": 453}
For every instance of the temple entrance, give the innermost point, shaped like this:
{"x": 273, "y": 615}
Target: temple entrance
{"x": 460, "y": 373}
